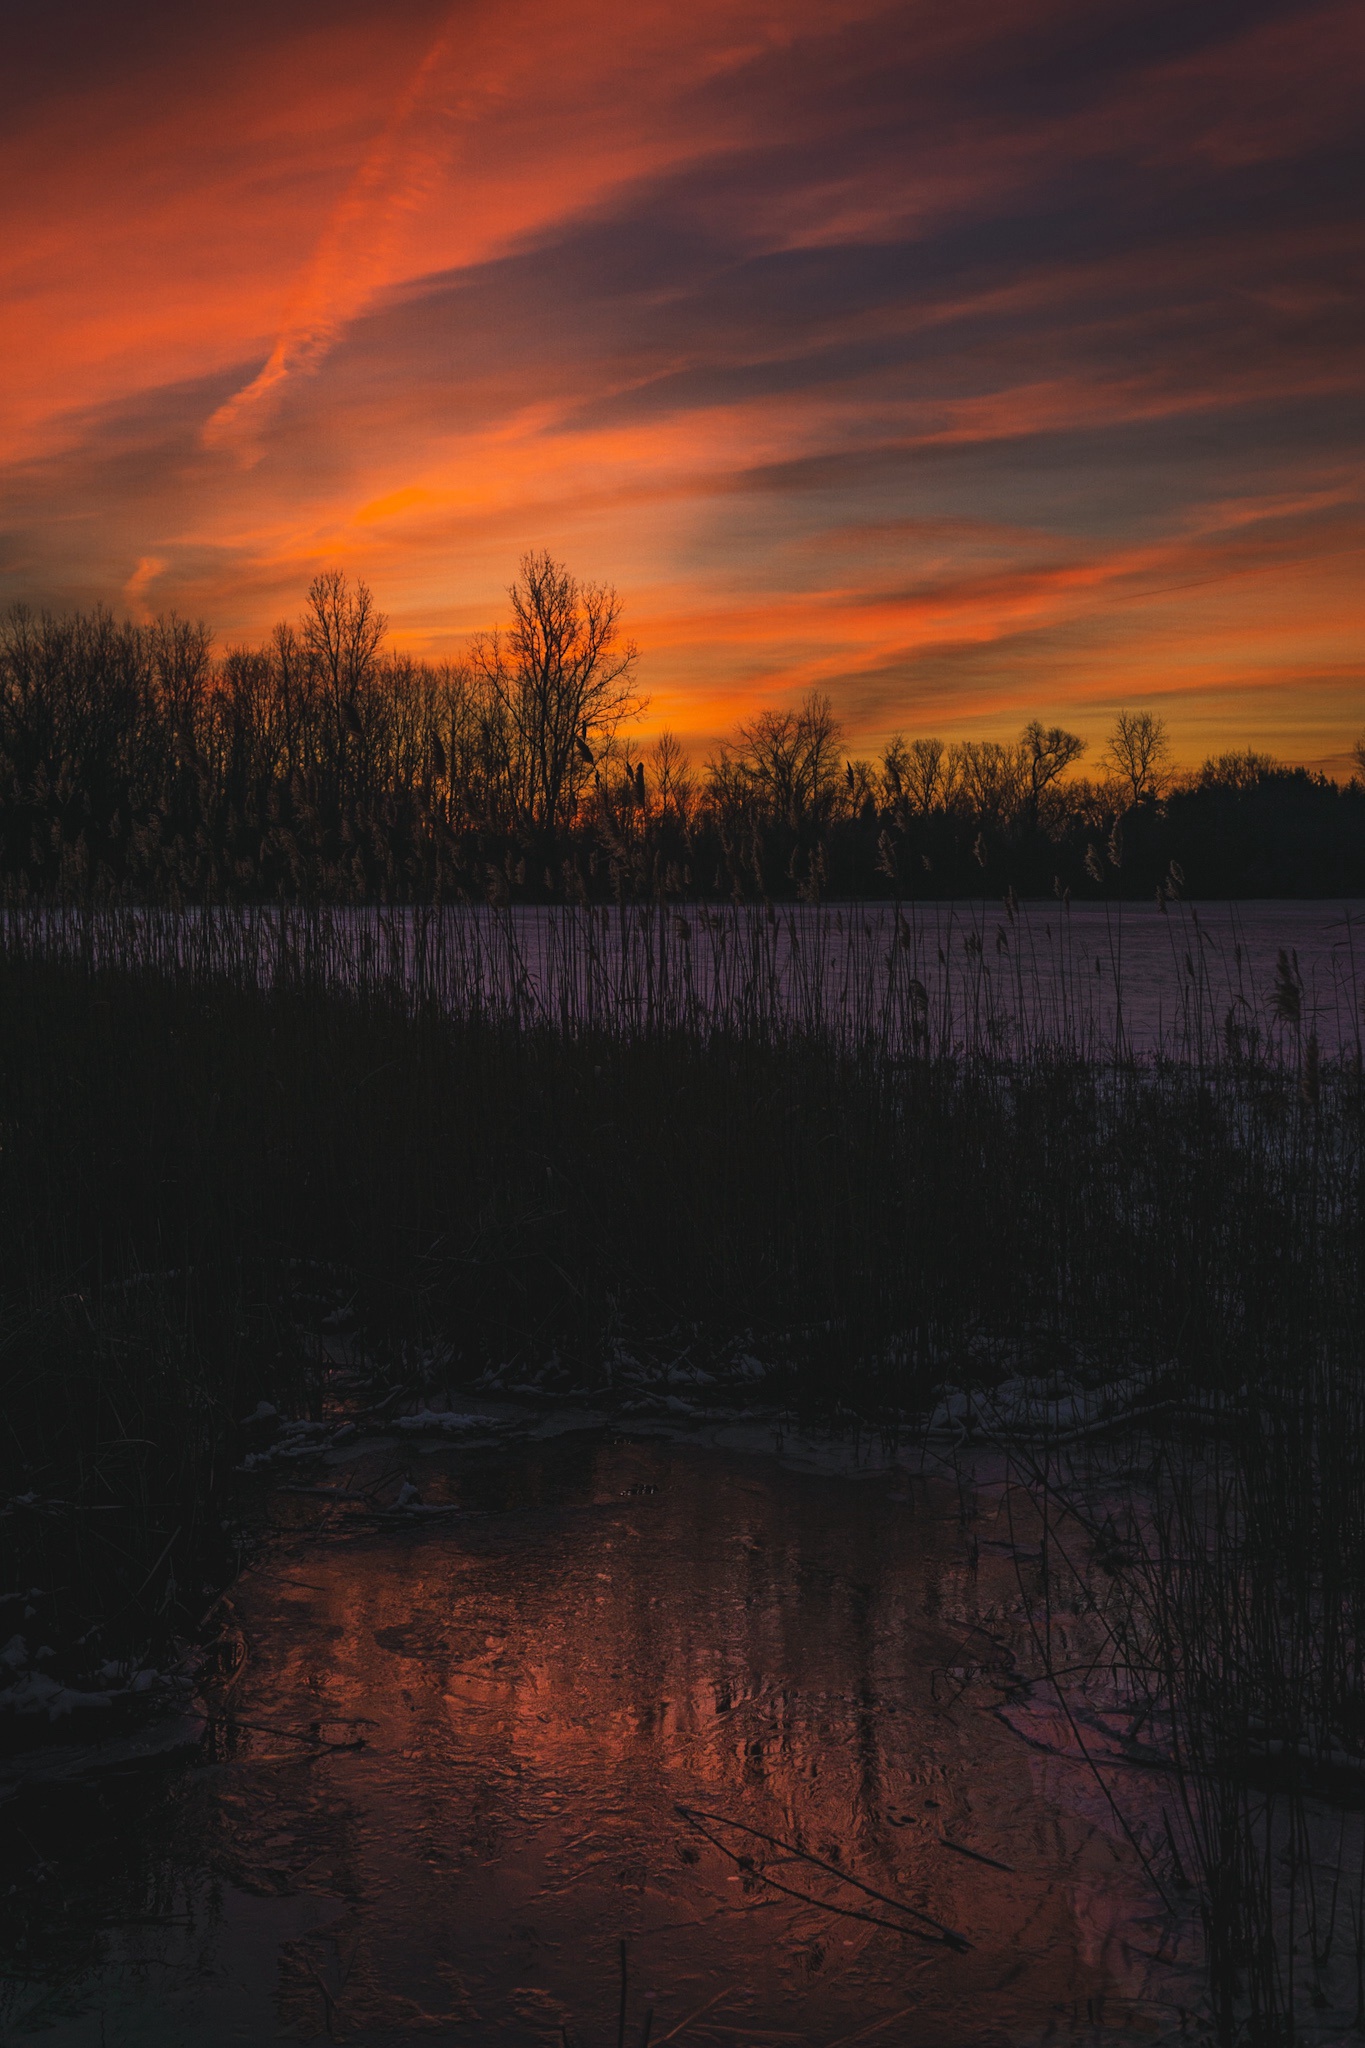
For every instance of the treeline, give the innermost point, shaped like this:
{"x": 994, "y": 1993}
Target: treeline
{"x": 327, "y": 766}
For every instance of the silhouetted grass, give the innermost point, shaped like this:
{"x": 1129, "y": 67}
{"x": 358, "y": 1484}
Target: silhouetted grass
{"x": 222, "y": 1140}
{"x": 198, "y": 1169}
{"x": 1217, "y": 1545}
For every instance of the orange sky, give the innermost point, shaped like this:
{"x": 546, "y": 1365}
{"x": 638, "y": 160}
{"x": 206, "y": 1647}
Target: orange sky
{"x": 970, "y": 364}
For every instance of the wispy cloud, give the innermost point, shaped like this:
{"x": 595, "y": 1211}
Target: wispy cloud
{"x": 957, "y": 361}
{"x": 139, "y": 584}
{"x": 354, "y": 254}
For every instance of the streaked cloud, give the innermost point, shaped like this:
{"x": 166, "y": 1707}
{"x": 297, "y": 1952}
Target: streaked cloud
{"x": 961, "y": 363}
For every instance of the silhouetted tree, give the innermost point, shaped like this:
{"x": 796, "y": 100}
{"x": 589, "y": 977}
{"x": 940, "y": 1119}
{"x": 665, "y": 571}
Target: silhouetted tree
{"x": 1139, "y": 752}
{"x": 784, "y": 765}
{"x": 561, "y": 675}
{"x": 325, "y": 764}
{"x": 1235, "y": 770}
{"x": 1045, "y": 754}
{"x": 674, "y": 784}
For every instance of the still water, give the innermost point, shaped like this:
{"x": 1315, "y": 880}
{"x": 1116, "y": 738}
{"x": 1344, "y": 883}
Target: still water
{"x": 748, "y": 1712}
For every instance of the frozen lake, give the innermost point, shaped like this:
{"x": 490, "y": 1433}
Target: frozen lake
{"x": 1183, "y": 980}
{"x": 746, "y": 1712}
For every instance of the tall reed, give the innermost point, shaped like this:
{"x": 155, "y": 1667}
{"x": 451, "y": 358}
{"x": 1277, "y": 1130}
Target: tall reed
{"x": 859, "y": 1156}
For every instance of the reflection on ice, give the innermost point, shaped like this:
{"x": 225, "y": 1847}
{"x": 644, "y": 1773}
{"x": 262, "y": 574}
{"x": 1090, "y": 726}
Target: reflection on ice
{"x": 741, "y": 1717}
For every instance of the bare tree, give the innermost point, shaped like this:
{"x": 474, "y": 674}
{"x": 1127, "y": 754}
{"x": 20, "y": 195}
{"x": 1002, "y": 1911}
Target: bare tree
{"x": 820, "y": 737}
{"x": 926, "y": 775}
{"x": 675, "y": 786}
{"x": 562, "y": 676}
{"x": 295, "y": 694}
{"x": 244, "y": 733}
{"x": 180, "y": 651}
{"x": 789, "y": 761}
{"x": 1236, "y": 770}
{"x": 728, "y": 785}
{"x": 986, "y": 776}
{"x": 1139, "y": 752}
{"x": 764, "y": 760}
{"x": 1045, "y": 754}
{"x": 342, "y": 633}
{"x": 1358, "y": 753}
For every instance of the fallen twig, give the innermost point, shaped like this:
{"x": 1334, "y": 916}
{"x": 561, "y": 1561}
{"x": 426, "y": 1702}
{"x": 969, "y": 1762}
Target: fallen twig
{"x": 933, "y": 1931}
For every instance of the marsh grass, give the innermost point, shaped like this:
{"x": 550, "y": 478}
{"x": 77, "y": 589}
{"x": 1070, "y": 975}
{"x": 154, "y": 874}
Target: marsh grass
{"x": 1012, "y": 982}
{"x": 644, "y": 1150}
{"x": 638, "y": 1146}
{"x": 1216, "y": 1552}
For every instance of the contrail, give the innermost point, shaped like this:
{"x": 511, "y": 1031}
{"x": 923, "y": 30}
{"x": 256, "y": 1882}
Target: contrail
{"x": 348, "y": 264}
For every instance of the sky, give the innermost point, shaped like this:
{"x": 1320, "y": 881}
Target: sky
{"x": 969, "y": 363}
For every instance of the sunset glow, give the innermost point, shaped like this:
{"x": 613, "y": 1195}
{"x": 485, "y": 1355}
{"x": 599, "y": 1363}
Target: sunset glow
{"x": 967, "y": 364}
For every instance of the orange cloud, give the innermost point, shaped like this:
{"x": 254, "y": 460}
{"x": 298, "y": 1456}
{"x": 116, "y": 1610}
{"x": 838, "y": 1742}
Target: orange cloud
{"x": 961, "y": 365}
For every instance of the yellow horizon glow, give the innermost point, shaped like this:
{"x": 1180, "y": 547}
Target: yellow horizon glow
{"x": 386, "y": 295}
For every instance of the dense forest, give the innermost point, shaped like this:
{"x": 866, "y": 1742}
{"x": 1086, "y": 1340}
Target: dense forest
{"x": 325, "y": 766}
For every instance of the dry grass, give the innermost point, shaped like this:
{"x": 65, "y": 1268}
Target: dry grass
{"x": 217, "y": 1132}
